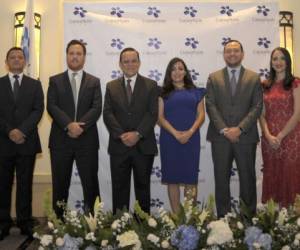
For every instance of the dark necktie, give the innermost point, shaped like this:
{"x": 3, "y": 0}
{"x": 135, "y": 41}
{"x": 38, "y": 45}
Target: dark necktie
{"x": 233, "y": 82}
{"x": 128, "y": 90}
{"x": 74, "y": 90}
{"x": 16, "y": 87}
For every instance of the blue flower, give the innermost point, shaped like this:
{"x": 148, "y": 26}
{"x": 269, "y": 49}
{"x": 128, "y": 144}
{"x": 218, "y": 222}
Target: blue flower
{"x": 251, "y": 235}
{"x": 265, "y": 241}
{"x": 185, "y": 238}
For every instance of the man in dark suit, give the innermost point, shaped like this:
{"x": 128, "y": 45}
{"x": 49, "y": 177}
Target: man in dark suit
{"x": 130, "y": 113}
{"x": 21, "y": 108}
{"x": 74, "y": 102}
{"x": 234, "y": 103}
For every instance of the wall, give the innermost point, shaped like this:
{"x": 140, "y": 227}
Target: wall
{"x": 52, "y": 63}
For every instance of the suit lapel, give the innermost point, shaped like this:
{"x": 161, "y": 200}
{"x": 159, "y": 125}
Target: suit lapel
{"x": 8, "y": 87}
{"x": 122, "y": 92}
{"x": 83, "y": 86}
{"x": 227, "y": 82}
{"x": 68, "y": 90}
{"x": 239, "y": 83}
{"x": 138, "y": 88}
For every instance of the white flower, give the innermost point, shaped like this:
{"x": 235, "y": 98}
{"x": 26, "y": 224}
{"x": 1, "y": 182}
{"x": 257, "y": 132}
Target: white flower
{"x": 260, "y": 207}
{"x": 153, "y": 238}
{"x": 254, "y": 220}
{"x": 220, "y": 233}
{"x": 297, "y": 236}
{"x": 240, "y": 225}
{"x": 104, "y": 243}
{"x": 202, "y": 217}
{"x": 36, "y": 235}
{"x": 115, "y": 224}
{"x": 59, "y": 242}
{"x": 73, "y": 213}
{"x": 41, "y": 248}
{"x": 129, "y": 238}
{"x": 90, "y": 236}
{"x": 296, "y": 242}
{"x": 152, "y": 222}
{"x": 46, "y": 240}
{"x": 127, "y": 215}
{"x": 298, "y": 221}
{"x": 256, "y": 245}
{"x": 286, "y": 247}
{"x": 282, "y": 216}
{"x": 50, "y": 225}
{"x": 165, "y": 244}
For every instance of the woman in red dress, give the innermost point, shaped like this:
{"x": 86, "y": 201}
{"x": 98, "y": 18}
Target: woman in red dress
{"x": 280, "y": 124}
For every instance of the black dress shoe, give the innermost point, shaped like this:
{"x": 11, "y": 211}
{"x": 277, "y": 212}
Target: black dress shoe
{"x": 3, "y": 233}
{"x": 26, "y": 230}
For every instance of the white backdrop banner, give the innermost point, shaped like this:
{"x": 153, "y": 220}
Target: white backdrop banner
{"x": 195, "y": 32}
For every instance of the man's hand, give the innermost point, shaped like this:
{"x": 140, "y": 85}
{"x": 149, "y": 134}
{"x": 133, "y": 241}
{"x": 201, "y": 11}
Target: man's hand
{"x": 130, "y": 138}
{"x": 233, "y": 134}
{"x": 75, "y": 129}
{"x": 16, "y": 136}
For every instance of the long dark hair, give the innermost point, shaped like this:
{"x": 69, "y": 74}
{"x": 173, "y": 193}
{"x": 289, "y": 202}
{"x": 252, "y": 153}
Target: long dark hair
{"x": 289, "y": 78}
{"x": 168, "y": 86}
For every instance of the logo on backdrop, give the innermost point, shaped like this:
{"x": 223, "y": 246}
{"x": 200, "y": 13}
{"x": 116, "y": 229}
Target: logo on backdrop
{"x": 156, "y": 202}
{"x": 190, "y": 15}
{"x": 80, "y": 12}
{"x": 264, "y": 44}
{"x": 153, "y": 11}
{"x": 156, "y": 171}
{"x": 190, "y": 11}
{"x": 116, "y": 74}
{"x": 117, "y": 43}
{"x": 262, "y": 10}
{"x": 116, "y": 11}
{"x": 155, "y": 75}
{"x": 262, "y": 13}
{"x": 191, "y": 43}
{"x": 227, "y": 13}
{"x": 194, "y": 74}
{"x": 154, "y": 42}
{"x": 79, "y": 205}
{"x": 224, "y": 40}
{"x": 264, "y": 73}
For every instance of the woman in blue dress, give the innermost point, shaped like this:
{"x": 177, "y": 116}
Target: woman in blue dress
{"x": 181, "y": 114}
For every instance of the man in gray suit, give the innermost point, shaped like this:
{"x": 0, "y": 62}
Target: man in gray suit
{"x": 234, "y": 103}
{"x": 130, "y": 114}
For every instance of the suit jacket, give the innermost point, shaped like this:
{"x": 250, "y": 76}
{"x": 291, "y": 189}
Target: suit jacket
{"x": 138, "y": 115}
{"x": 61, "y": 107}
{"x": 241, "y": 110}
{"x": 23, "y": 114}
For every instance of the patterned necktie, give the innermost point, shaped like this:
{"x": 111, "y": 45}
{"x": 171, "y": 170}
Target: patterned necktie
{"x": 233, "y": 82}
{"x": 16, "y": 86}
{"x": 74, "y": 90}
{"x": 128, "y": 90}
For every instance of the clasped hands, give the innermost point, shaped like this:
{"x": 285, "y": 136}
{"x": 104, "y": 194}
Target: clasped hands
{"x": 232, "y": 134}
{"x": 183, "y": 136}
{"x": 130, "y": 138}
{"x": 75, "y": 129}
{"x": 274, "y": 141}
{"x": 16, "y": 136}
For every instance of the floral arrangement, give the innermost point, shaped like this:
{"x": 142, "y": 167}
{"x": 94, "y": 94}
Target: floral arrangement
{"x": 192, "y": 228}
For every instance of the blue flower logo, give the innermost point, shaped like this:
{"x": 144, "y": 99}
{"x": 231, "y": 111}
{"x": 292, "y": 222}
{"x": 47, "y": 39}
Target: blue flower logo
{"x": 190, "y": 10}
{"x": 262, "y": 10}
{"x": 117, "y": 43}
{"x": 194, "y": 74}
{"x": 263, "y": 42}
{"x": 233, "y": 171}
{"x": 79, "y": 205}
{"x": 116, "y": 11}
{"x": 154, "y": 42}
{"x": 153, "y": 11}
{"x": 157, "y": 138}
{"x": 191, "y": 42}
{"x": 79, "y": 11}
{"x": 76, "y": 171}
{"x": 234, "y": 203}
{"x": 155, "y": 74}
{"x": 116, "y": 74}
{"x": 156, "y": 171}
{"x": 225, "y": 40}
{"x": 83, "y": 42}
{"x": 264, "y": 73}
{"x": 156, "y": 203}
{"x": 226, "y": 10}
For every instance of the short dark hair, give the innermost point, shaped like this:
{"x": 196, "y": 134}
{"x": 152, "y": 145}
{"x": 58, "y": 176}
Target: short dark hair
{"x": 129, "y": 49}
{"x": 76, "y": 42}
{"x": 234, "y": 41}
{"x": 13, "y": 49}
